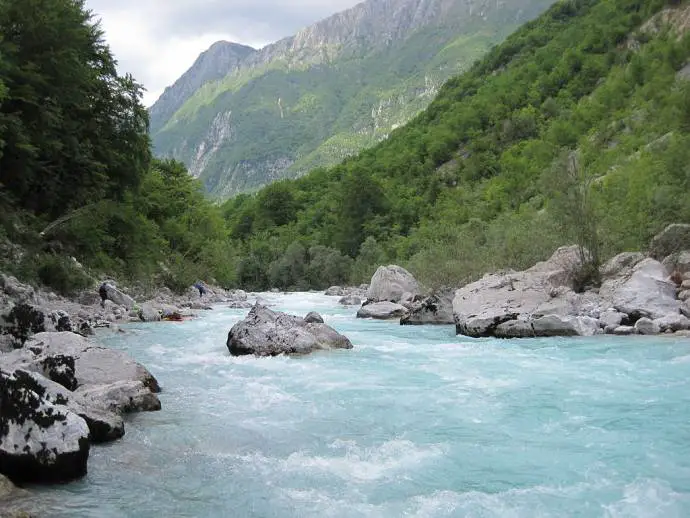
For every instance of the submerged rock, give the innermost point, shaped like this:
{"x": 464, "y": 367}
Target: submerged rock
{"x": 265, "y": 332}
{"x": 382, "y": 311}
{"x": 390, "y": 283}
{"x": 350, "y": 300}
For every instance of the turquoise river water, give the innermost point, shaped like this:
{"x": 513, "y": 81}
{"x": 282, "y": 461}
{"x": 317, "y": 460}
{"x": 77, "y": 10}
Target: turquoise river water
{"x": 414, "y": 421}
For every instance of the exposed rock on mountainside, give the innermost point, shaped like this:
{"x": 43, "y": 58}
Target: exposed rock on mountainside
{"x": 215, "y": 63}
{"x": 241, "y": 118}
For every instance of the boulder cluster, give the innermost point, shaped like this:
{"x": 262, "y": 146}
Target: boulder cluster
{"x": 59, "y": 394}
{"x": 639, "y": 294}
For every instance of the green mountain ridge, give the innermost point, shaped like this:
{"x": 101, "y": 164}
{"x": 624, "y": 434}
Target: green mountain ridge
{"x": 577, "y": 125}
{"x": 335, "y": 88}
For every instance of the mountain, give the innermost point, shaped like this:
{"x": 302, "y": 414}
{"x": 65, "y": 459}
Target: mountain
{"x": 214, "y": 64}
{"x": 576, "y": 129}
{"x": 240, "y": 118}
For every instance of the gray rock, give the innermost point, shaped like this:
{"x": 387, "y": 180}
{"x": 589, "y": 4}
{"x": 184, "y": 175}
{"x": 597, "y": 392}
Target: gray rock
{"x": 545, "y": 289}
{"x": 60, "y": 369}
{"x": 389, "y": 283}
{"x": 586, "y": 326}
{"x": 7, "y": 343}
{"x": 61, "y": 321}
{"x": 684, "y": 295}
{"x": 269, "y": 333}
{"x": 620, "y": 263}
{"x": 22, "y": 321}
{"x": 350, "y": 300}
{"x": 624, "y": 330}
{"x": 644, "y": 291}
{"x": 678, "y": 263}
{"x": 514, "y": 329}
{"x": 610, "y": 320}
{"x": 382, "y": 311}
{"x": 121, "y": 397}
{"x": 103, "y": 426}
{"x": 9, "y": 491}
{"x": 553, "y": 325}
{"x": 39, "y": 441}
{"x": 435, "y": 309}
{"x": 674, "y": 238}
{"x": 118, "y": 297}
{"x": 335, "y": 291}
{"x": 240, "y": 304}
{"x": 645, "y": 326}
{"x": 149, "y": 313}
{"x": 18, "y": 292}
{"x": 673, "y": 323}
{"x": 313, "y": 318}
{"x": 685, "y": 308}
{"x": 93, "y": 364}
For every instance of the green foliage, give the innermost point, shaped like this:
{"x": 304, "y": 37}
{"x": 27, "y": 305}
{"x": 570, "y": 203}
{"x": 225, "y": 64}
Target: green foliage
{"x": 62, "y": 274}
{"x": 296, "y": 113}
{"x": 476, "y": 182}
{"x": 76, "y": 129}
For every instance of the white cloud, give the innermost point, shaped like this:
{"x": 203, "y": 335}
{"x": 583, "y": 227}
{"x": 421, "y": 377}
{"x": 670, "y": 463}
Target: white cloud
{"x": 158, "y": 40}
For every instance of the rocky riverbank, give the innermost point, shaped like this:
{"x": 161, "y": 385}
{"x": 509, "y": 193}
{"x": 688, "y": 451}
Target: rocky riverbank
{"x": 61, "y": 392}
{"x": 640, "y": 293}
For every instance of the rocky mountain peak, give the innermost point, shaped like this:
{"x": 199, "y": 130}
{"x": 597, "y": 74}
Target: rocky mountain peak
{"x": 215, "y": 63}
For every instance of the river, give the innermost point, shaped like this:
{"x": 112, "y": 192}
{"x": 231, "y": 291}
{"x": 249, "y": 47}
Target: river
{"x": 414, "y": 421}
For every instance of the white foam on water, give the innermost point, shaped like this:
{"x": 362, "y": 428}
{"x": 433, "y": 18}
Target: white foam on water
{"x": 365, "y": 464}
{"x": 266, "y": 395}
{"x": 649, "y": 498}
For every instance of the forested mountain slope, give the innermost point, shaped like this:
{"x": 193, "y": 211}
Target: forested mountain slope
{"x": 324, "y": 94}
{"x": 578, "y": 124}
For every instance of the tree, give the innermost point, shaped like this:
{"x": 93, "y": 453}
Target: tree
{"x": 570, "y": 187}
{"x": 74, "y": 130}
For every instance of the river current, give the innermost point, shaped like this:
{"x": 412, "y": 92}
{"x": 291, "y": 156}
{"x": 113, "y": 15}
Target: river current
{"x": 414, "y": 421}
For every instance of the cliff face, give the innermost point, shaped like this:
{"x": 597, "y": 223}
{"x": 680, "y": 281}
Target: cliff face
{"x": 241, "y": 118}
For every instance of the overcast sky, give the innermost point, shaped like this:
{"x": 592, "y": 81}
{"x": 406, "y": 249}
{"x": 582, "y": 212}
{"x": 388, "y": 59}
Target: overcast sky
{"x": 157, "y": 40}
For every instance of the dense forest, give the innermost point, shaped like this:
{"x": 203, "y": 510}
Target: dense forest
{"x": 81, "y": 195}
{"x": 576, "y": 128}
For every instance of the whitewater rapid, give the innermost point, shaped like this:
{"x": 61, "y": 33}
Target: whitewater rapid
{"x": 414, "y": 421}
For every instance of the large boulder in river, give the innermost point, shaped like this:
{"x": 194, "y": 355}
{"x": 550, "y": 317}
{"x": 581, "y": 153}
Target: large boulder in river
{"x": 265, "y": 332}
{"x": 39, "y": 441}
{"x": 672, "y": 239}
{"x": 435, "y": 309}
{"x": 382, "y": 311}
{"x": 643, "y": 290}
{"x": 390, "y": 283}
{"x": 544, "y": 289}
{"x": 104, "y": 426}
{"x": 93, "y": 364}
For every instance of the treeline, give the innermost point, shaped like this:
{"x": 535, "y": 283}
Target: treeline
{"x": 483, "y": 179}
{"x": 81, "y": 196}
{"x": 579, "y": 124}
